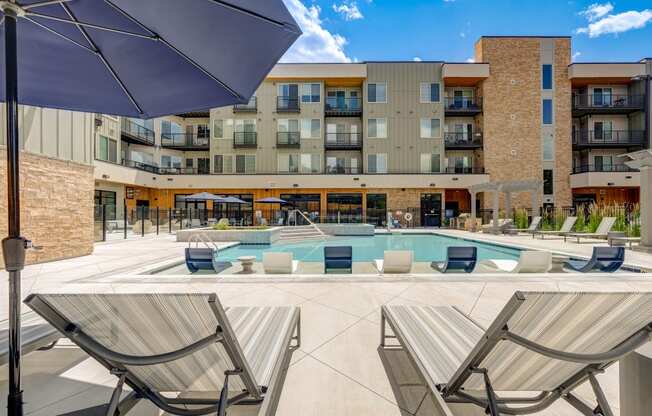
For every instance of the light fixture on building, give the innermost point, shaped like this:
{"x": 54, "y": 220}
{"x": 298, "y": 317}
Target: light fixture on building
{"x": 105, "y": 176}
{"x": 356, "y": 179}
{"x": 363, "y": 185}
{"x": 610, "y": 184}
{"x": 455, "y": 179}
{"x": 170, "y": 179}
{"x": 628, "y": 177}
{"x": 433, "y": 184}
{"x": 296, "y": 185}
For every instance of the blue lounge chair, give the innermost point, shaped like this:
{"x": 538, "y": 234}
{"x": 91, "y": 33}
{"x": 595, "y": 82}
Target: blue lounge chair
{"x": 338, "y": 258}
{"x": 604, "y": 259}
{"x": 458, "y": 258}
{"x": 199, "y": 258}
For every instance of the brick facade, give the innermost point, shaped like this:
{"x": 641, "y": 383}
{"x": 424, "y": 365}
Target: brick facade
{"x": 563, "y": 124}
{"x": 56, "y": 206}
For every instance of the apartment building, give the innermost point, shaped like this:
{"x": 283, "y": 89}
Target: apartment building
{"x": 351, "y": 141}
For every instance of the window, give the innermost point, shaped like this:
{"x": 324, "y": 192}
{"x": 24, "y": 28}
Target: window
{"x": 377, "y": 128}
{"x": 106, "y": 199}
{"x": 172, "y": 161}
{"x": 546, "y": 77}
{"x": 170, "y": 128}
{"x": 310, "y": 163}
{"x": 603, "y": 130}
{"x": 310, "y": 93}
{"x": 218, "y": 129}
{"x": 203, "y": 132}
{"x": 108, "y": 151}
{"x": 377, "y": 209}
{"x": 288, "y": 91}
{"x": 548, "y": 147}
{"x": 547, "y": 182}
{"x": 142, "y": 157}
{"x": 430, "y": 163}
{"x": 288, "y": 163}
{"x": 602, "y": 97}
{"x": 245, "y": 164}
{"x": 223, "y": 164}
{"x": 286, "y": 126}
{"x": 377, "y": 93}
{"x": 429, "y": 92}
{"x": 310, "y": 128}
{"x": 603, "y": 163}
{"x": 430, "y": 128}
{"x": 245, "y": 125}
{"x": 547, "y": 111}
{"x": 203, "y": 165}
{"x": 377, "y": 163}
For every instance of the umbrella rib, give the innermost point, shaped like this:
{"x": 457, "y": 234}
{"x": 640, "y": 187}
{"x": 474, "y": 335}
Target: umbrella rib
{"x": 42, "y": 3}
{"x": 177, "y": 51}
{"x": 90, "y": 25}
{"x": 102, "y": 58}
{"x": 252, "y": 14}
{"x": 61, "y": 35}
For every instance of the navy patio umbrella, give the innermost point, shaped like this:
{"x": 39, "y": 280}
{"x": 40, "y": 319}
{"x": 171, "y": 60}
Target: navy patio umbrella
{"x": 203, "y": 196}
{"x": 136, "y": 58}
{"x": 233, "y": 200}
{"x": 271, "y": 200}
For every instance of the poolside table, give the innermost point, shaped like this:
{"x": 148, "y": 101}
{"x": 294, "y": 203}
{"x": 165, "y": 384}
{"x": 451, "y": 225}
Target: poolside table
{"x": 247, "y": 263}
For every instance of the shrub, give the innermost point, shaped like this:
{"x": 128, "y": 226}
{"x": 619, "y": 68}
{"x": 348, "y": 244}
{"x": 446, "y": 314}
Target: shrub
{"x": 595, "y": 216}
{"x": 520, "y": 218}
{"x": 221, "y": 226}
{"x": 580, "y": 224}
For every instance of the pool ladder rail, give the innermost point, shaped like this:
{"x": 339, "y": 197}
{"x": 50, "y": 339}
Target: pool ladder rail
{"x": 296, "y": 233}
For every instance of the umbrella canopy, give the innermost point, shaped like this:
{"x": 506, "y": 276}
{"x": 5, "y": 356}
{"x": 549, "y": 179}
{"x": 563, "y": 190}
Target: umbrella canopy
{"x": 203, "y": 196}
{"x": 271, "y": 200}
{"x": 144, "y": 58}
{"x": 232, "y": 200}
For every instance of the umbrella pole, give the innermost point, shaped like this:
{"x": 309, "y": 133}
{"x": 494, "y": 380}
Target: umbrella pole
{"x": 13, "y": 247}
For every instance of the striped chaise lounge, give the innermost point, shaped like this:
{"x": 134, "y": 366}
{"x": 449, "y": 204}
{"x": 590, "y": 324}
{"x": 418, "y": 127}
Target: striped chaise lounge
{"x": 179, "y": 350}
{"x": 543, "y": 343}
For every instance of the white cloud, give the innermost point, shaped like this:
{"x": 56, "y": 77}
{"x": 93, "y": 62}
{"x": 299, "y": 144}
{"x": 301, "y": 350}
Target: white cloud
{"x": 349, "y": 11}
{"x": 596, "y": 11}
{"x": 470, "y": 60}
{"x": 416, "y": 59}
{"x": 316, "y": 44}
{"x": 576, "y": 55}
{"x": 617, "y": 23}
{"x": 462, "y": 34}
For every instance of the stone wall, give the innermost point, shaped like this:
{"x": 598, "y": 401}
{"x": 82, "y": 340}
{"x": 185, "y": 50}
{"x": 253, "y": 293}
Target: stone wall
{"x": 56, "y": 206}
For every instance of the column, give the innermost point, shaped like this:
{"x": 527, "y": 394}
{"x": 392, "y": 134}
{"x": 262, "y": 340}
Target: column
{"x": 646, "y": 204}
{"x": 443, "y": 208}
{"x": 472, "y": 227}
{"x": 495, "y": 209}
{"x": 508, "y": 205}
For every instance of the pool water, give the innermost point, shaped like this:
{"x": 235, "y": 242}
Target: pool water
{"x": 426, "y": 248}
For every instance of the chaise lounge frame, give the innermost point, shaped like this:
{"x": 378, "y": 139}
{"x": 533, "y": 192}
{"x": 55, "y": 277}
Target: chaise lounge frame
{"x": 453, "y": 392}
{"x": 266, "y": 396}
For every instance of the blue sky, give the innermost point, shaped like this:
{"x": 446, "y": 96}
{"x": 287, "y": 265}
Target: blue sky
{"x": 350, "y": 30}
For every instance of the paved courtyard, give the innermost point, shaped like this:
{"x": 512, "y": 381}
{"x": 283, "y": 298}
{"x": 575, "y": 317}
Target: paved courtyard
{"x": 339, "y": 369}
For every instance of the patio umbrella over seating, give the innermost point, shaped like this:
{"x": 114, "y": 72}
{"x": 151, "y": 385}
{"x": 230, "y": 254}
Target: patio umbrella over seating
{"x": 203, "y": 196}
{"x": 271, "y": 200}
{"x": 232, "y": 200}
{"x": 144, "y": 58}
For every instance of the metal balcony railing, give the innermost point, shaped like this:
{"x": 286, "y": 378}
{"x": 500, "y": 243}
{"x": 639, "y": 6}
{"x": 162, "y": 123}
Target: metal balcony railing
{"x": 343, "y": 141}
{"x": 463, "y": 140}
{"x": 185, "y": 141}
{"x": 340, "y": 106}
{"x": 608, "y": 138}
{"x": 137, "y": 132}
{"x": 608, "y": 101}
{"x": 250, "y": 107}
{"x": 469, "y": 105}
{"x": 245, "y": 139}
{"x": 343, "y": 170}
{"x": 288, "y": 139}
{"x": 603, "y": 168}
{"x": 287, "y": 104}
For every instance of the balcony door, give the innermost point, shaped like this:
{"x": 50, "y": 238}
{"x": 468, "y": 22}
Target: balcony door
{"x": 337, "y": 99}
{"x": 602, "y": 131}
{"x": 603, "y": 163}
{"x": 602, "y": 97}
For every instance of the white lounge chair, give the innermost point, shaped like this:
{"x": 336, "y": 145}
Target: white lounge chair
{"x": 395, "y": 261}
{"x": 566, "y": 228}
{"x": 528, "y": 262}
{"x": 534, "y": 226}
{"x": 279, "y": 263}
{"x": 503, "y": 225}
{"x": 179, "y": 350}
{"x": 542, "y": 343}
{"x": 606, "y": 224}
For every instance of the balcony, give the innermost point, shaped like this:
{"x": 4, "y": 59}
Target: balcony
{"x": 245, "y": 140}
{"x": 288, "y": 139}
{"x": 343, "y": 107}
{"x": 602, "y": 168}
{"x": 608, "y": 138}
{"x": 134, "y": 133}
{"x": 185, "y": 141}
{"x": 343, "y": 141}
{"x": 463, "y": 170}
{"x": 584, "y": 104}
{"x": 462, "y": 106}
{"x": 463, "y": 140}
{"x": 287, "y": 105}
{"x": 343, "y": 170}
{"x": 250, "y": 107}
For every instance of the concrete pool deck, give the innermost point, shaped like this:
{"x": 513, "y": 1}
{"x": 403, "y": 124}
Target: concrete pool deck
{"x": 339, "y": 369}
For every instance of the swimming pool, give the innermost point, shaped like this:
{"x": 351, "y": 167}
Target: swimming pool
{"x": 426, "y": 248}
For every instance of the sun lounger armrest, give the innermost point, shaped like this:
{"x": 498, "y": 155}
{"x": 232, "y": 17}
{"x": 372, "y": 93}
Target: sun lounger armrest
{"x": 635, "y": 341}
{"x": 76, "y": 334}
